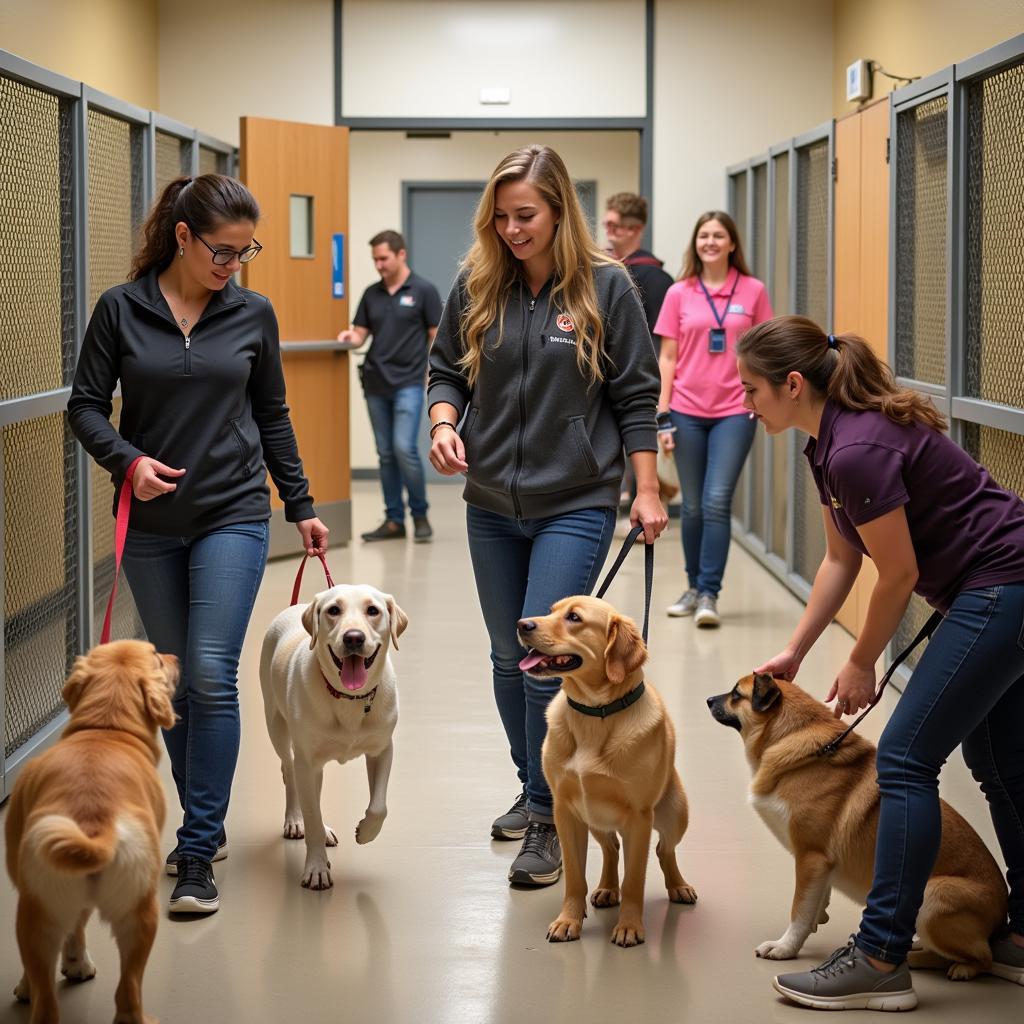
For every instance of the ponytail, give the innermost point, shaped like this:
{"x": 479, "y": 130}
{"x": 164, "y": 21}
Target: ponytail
{"x": 203, "y": 203}
{"x": 839, "y": 367}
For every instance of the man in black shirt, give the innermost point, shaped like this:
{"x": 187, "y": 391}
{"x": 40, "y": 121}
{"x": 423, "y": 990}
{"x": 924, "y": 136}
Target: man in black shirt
{"x": 401, "y": 312}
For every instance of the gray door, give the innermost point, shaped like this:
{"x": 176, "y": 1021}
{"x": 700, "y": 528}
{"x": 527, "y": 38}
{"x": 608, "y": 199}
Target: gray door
{"x": 438, "y": 229}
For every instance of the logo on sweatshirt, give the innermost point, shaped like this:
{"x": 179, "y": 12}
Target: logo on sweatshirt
{"x": 564, "y": 323}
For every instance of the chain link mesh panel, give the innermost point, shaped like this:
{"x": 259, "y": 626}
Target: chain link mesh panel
{"x": 922, "y": 256}
{"x": 917, "y": 614}
{"x": 758, "y": 487}
{"x": 779, "y": 469}
{"x": 995, "y": 237}
{"x": 37, "y": 294}
{"x": 739, "y": 200}
{"x": 780, "y": 282}
{"x": 115, "y": 200}
{"x": 759, "y": 243}
{"x": 40, "y": 572}
{"x": 1000, "y": 452}
{"x": 212, "y": 162}
{"x": 173, "y": 158}
{"x": 813, "y": 182}
{"x": 125, "y": 623}
{"x": 809, "y": 532}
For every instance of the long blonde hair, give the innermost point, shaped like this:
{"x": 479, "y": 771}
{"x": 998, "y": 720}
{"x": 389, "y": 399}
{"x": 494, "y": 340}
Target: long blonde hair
{"x": 492, "y": 271}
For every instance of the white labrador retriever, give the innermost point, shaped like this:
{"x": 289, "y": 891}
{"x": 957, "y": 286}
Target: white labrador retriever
{"x": 329, "y": 695}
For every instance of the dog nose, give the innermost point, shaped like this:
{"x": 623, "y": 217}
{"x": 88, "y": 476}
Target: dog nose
{"x": 526, "y": 625}
{"x": 353, "y": 638}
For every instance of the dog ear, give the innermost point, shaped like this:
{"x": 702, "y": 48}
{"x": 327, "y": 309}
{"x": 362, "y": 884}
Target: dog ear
{"x": 765, "y": 692}
{"x": 397, "y": 619}
{"x": 73, "y": 688}
{"x": 626, "y": 650}
{"x": 311, "y": 620}
{"x": 157, "y": 697}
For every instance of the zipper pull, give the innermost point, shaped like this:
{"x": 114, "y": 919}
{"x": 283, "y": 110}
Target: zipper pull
{"x": 533, "y": 304}
{"x": 188, "y": 343}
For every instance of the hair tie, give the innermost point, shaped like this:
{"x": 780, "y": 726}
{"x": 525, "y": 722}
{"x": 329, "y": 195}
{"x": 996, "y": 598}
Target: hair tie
{"x": 832, "y": 343}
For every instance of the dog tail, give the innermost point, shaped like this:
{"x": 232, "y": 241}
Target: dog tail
{"x": 59, "y": 841}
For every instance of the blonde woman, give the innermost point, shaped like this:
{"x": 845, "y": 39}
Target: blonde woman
{"x": 542, "y": 371}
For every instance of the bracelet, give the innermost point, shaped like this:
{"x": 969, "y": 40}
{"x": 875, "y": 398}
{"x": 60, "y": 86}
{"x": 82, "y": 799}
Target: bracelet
{"x": 665, "y": 425}
{"x": 441, "y": 423}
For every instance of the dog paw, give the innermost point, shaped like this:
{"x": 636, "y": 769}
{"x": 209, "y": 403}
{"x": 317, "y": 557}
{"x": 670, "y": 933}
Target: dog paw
{"x": 369, "y": 828}
{"x": 776, "y": 949}
{"x": 331, "y": 838}
{"x": 564, "y": 929}
{"x": 683, "y": 894}
{"x": 605, "y": 897}
{"x": 317, "y": 874}
{"x": 21, "y": 990}
{"x": 294, "y": 828}
{"x": 79, "y": 968}
{"x": 962, "y": 972}
{"x": 628, "y": 933}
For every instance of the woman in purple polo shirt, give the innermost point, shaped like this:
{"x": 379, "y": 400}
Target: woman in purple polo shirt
{"x": 701, "y": 418}
{"x": 895, "y": 488}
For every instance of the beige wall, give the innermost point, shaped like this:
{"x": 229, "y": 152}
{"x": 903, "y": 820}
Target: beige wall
{"x": 430, "y": 58}
{"x": 915, "y": 37}
{"x": 265, "y": 58}
{"x": 380, "y": 161}
{"x": 731, "y": 79}
{"x": 108, "y": 44}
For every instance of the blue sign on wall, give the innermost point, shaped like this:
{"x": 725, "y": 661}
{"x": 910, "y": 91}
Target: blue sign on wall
{"x": 338, "y": 266}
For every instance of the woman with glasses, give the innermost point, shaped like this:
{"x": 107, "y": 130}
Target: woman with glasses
{"x": 202, "y": 411}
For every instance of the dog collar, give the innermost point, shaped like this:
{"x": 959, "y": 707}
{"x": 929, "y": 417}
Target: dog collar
{"x": 368, "y": 697}
{"x": 604, "y": 710}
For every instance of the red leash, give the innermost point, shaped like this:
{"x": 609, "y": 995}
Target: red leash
{"x": 124, "y": 507}
{"x": 298, "y": 576}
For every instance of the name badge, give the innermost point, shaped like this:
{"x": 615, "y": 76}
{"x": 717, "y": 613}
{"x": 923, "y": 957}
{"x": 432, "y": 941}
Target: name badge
{"x": 716, "y": 340}
{"x": 407, "y": 300}
{"x": 736, "y": 307}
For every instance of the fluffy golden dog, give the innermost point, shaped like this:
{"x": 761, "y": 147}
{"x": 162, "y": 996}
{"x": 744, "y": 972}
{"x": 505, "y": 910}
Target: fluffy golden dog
{"x": 83, "y": 827}
{"x": 611, "y": 770}
{"x": 824, "y": 810}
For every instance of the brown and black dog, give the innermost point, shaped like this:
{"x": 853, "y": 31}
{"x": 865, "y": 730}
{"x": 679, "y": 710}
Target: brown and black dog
{"x": 824, "y": 810}
{"x": 83, "y": 827}
{"x": 611, "y": 774}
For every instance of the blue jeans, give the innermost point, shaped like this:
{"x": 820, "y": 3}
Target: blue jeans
{"x": 967, "y": 689}
{"x": 195, "y": 596}
{"x": 522, "y": 568}
{"x": 396, "y": 423}
{"x": 709, "y": 456}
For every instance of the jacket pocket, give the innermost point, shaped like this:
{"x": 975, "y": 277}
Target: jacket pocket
{"x": 467, "y": 427}
{"x": 579, "y": 431}
{"x": 244, "y": 450}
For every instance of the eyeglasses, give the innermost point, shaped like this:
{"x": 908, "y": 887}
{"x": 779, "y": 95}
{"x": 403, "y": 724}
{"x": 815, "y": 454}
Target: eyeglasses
{"x": 222, "y": 257}
{"x": 614, "y": 227}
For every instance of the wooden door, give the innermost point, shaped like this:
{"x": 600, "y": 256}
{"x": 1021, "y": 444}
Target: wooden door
{"x": 299, "y": 175}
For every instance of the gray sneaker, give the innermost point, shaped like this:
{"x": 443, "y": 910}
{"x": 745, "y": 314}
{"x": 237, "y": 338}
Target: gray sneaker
{"x": 1008, "y": 960}
{"x": 540, "y": 860}
{"x": 847, "y": 981}
{"x": 686, "y": 605}
{"x": 706, "y": 615}
{"x": 512, "y": 824}
{"x": 422, "y": 532}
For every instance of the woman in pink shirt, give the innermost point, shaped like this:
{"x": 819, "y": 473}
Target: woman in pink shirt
{"x": 701, "y": 418}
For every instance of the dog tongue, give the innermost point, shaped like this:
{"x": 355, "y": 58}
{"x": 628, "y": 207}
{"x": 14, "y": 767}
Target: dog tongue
{"x": 532, "y": 659}
{"x": 353, "y": 672}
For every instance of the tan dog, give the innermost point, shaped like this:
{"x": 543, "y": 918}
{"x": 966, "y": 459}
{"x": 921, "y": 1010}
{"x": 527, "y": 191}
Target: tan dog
{"x": 83, "y": 827}
{"x": 611, "y": 774}
{"x": 824, "y": 810}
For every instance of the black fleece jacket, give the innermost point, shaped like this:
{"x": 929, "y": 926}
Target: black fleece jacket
{"x": 212, "y": 404}
{"x": 540, "y": 440}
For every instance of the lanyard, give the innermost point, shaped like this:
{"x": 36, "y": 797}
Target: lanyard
{"x": 720, "y": 320}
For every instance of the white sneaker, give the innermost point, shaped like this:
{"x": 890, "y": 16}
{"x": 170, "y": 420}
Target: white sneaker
{"x": 686, "y": 605}
{"x": 707, "y": 612}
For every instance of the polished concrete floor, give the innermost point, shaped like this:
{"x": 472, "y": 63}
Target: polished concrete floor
{"x": 421, "y": 926}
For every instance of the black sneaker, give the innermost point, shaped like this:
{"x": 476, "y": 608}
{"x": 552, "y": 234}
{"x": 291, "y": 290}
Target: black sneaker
{"x": 196, "y": 891}
{"x": 422, "y": 532}
{"x": 388, "y": 530}
{"x": 540, "y": 860}
{"x": 171, "y": 864}
{"x": 512, "y": 824}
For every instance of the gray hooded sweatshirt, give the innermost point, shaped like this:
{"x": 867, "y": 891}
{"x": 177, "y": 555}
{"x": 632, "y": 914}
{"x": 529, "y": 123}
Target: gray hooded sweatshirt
{"x": 541, "y": 441}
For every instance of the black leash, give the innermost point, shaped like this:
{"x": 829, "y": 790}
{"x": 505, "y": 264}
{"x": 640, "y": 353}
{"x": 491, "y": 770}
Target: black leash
{"x": 926, "y": 631}
{"x": 648, "y": 572}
